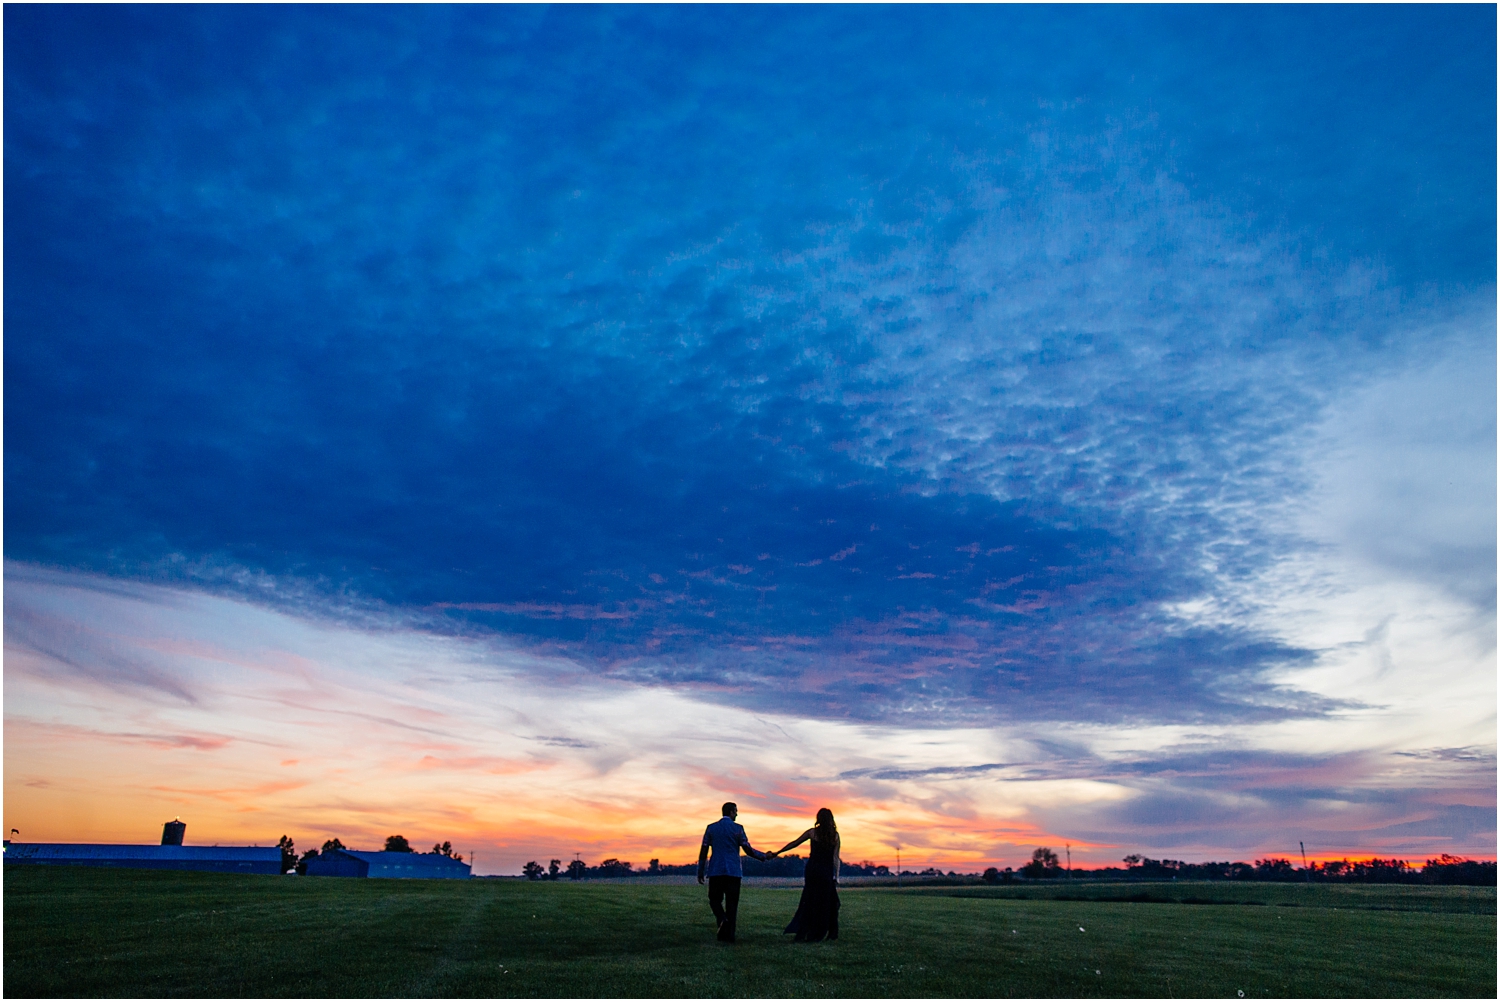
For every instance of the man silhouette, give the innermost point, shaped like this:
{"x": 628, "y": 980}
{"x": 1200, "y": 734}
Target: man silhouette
{"x": 725, "y": 838}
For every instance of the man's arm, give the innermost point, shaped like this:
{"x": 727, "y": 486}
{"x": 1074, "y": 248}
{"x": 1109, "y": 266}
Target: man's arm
{"x": 745, "y": 842}
{"x": 702, "y": 857}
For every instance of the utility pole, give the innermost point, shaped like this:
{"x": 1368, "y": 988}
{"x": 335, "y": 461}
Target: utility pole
{"x": 898, "y": 866}
{"x": 1068, "y": 848}
{"x": 1306, "y": 873}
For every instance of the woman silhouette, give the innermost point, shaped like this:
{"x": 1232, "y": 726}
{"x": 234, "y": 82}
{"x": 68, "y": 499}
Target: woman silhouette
{"x": 817, "y": 915}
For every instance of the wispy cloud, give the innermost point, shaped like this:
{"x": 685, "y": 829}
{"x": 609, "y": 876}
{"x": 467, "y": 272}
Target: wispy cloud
{"x": 1004, "y": 387}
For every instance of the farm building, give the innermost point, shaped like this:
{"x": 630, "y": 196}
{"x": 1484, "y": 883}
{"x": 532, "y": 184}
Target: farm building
{"x": 170, "y": 855}
{"x": 216, "y": 859}
{"x": 353, "y": 863}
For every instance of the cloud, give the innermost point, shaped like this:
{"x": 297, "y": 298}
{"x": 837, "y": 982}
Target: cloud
{"x": 1466, "y": 754}
{"x": 318, "y": 729}
{"x": 84, "y": 654}
{"x": 1407, "y": 482}
{"x": 559, "y": 742}
{"x": 195, "y": 742}
{"x": 1453, "y": 821}
{"x": 937, "y": 772}
{"x": 1269, "y": 802}
{"x": 647, "y": 424}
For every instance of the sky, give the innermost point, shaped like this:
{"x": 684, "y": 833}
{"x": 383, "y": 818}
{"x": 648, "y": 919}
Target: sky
{"x": 530, "y": 427}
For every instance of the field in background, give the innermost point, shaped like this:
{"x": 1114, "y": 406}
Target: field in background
{"x": 84, "y": 932}
{"x": 1370, "y": 897}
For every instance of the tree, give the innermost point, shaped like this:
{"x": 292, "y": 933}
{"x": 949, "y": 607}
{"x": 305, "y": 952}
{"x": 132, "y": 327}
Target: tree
{"x": 397, "y": 843}
{"x": 331, "y": 844}
{"x": 1336, "y": 867}
{"x": 1448, "y": 869}
{"x": 553, "y": 869}
{"x": 532, "y": 870}
{"x": 288, "y": 854}
{"x": 991, "y": 875}
{"x": 1274, "y": 868}
{"x": 577, "y": 869}
{"x": 443, "y": 849}
{"x": 1043, "y": 864}
{"x": 1162, "y": 869}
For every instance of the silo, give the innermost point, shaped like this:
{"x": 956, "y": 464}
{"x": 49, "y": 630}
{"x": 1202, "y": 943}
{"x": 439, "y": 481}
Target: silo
{"x": 171, "y": 832}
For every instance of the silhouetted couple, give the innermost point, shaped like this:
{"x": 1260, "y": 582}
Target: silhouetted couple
{"x": 817, "y": 915}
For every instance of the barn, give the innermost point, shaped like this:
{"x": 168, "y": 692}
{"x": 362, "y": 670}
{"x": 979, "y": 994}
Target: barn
{"x": 353, "y": 863}
{"x": 214, "y": 859}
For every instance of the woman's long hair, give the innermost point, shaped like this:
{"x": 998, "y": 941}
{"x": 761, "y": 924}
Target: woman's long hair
{"x": 825, "y": 830}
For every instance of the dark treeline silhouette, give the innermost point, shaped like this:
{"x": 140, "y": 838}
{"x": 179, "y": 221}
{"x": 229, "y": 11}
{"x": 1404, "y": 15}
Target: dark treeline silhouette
{"x": 1045, "y": 865}
{"x": 1444, "y": 869}
{"x": 1448, "y": 869}
{"x": 783, "y": 866}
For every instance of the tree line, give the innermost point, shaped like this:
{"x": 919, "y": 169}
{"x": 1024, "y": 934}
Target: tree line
{"x": 290, "y": 861}
{"x": 1046, "y": 865}
{"x": 1443, "y": 869}
{"x": 790, "y": 865}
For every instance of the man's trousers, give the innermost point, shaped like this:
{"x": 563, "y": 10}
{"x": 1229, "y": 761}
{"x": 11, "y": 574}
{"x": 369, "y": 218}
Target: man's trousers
{"x": 724, "y": 899}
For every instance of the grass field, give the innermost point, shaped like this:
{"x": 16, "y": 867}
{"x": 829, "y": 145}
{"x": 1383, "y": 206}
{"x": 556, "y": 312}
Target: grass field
{"x": 85, "y": 932}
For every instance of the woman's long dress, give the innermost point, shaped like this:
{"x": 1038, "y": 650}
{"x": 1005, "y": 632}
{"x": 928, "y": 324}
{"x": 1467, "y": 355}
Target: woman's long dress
{"x": 817, "y": 915}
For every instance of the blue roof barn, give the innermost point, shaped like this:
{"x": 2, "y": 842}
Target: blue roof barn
{"x": 216, "y": 859}
{"x": 170, "y": 855}
{"x": 353, "y": 863}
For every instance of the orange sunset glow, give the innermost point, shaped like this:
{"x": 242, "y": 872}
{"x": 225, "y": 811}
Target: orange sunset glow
{"x": 251, "y": 725}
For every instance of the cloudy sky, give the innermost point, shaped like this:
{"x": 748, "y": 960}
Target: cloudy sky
{"x": 531, "y": 427}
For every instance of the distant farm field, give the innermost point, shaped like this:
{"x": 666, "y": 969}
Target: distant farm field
{"x": 85, "y": 932}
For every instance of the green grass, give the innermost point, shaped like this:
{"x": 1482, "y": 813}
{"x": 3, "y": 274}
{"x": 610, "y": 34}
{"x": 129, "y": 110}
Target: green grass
{"x": 1375, "y": 897}
{"x": 84, "y": 932}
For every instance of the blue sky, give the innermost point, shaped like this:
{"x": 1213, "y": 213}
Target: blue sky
{"x": 896, "y": 367}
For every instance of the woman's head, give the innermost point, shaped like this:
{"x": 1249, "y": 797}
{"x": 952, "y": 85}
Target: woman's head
{"x": 825, "y": 822}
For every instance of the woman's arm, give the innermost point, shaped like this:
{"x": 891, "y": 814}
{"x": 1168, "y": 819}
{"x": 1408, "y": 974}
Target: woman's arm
{"x": 836, "y": 861}
{"x": 792, "y": 845}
